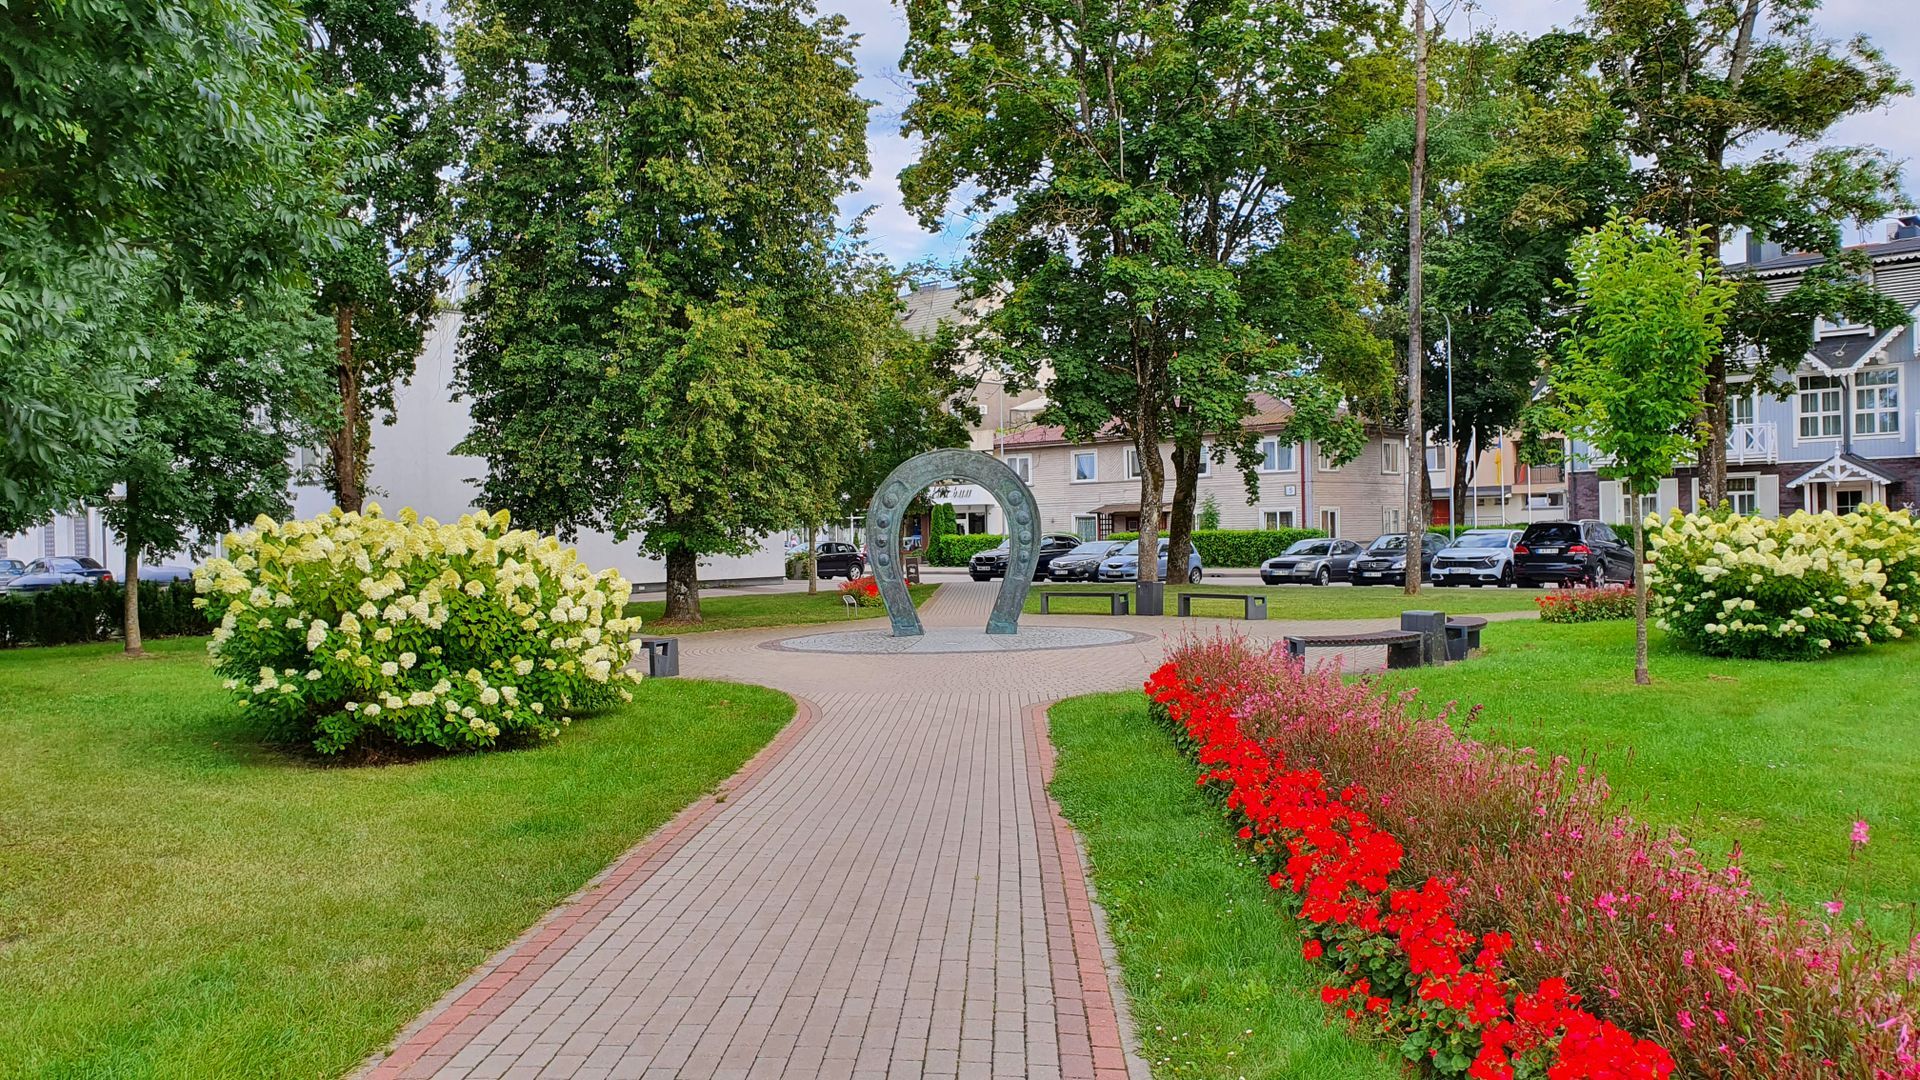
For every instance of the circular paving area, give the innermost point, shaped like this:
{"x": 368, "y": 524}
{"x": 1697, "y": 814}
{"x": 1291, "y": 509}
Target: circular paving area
{"x": 945, "y": 639}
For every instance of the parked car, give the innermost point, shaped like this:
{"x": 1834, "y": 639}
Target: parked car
{"x": 1480, "y": 557}
{"x": 837, "y": 559}
{"x": 10, "y": 569}
{"x": 165, "y": 574}
{"x": 1584, "y": 552}
{"x": 992, "y": 563}
{"x": 1316, "y": 561}
{"x": 43, "y": 574}
{"x": 1385, "y": 560}
{"x": 1124, "y": 565}
{"x": 1083, "y": 562}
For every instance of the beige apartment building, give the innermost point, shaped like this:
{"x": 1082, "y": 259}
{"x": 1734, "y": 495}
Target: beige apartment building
{"x": 1093, "y": 488}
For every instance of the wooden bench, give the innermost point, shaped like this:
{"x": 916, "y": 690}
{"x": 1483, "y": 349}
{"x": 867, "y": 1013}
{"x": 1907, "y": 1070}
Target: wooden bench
{"x": 1403, "y": 646}
{"x": 1256, "y": 603}
{"x": 663, "y": 655}
{"x": 1463, "y": 635}
{"x": 1118, "y": 598}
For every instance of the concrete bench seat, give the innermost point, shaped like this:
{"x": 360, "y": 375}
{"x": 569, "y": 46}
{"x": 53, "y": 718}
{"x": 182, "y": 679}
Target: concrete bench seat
{"x": 1403, "y": 646}
{"x": 663, "y": 655}
{"x": 1119, "y": 600}
{"x": 1256, "y": 603}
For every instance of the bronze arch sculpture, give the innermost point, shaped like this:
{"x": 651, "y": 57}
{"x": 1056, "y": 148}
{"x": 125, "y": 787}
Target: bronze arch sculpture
{"x": 915, "y": 475}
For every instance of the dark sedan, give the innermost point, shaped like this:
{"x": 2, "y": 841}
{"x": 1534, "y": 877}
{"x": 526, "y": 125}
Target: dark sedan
{"x": 1585, "y": 552}
{"x": 1083, "y": 562}
{"x": 44, "y": 574}
{"x": 1385, "y": 560}
{"x": 992, "y": 563}
{"x": 1315, "y": 561}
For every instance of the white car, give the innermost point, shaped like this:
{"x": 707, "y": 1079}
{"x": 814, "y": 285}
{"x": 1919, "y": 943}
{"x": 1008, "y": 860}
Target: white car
{"x": 1479, "y": 557}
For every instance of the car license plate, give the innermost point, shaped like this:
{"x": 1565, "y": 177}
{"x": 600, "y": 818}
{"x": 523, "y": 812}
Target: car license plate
{"x": 1369, "y": 573}
{"x": 1548, "y": 550}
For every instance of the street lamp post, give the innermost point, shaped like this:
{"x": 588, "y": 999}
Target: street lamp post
{"x": 1452, "y": 510}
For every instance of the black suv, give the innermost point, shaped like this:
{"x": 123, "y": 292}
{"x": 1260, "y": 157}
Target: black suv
{"x": 838, "y": 560}
{"x": 1585, "y": 552}
{"x": 992, "y": 563}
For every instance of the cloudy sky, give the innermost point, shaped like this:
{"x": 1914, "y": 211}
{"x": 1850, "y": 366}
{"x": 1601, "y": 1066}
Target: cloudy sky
{"x": 882, "y": 26}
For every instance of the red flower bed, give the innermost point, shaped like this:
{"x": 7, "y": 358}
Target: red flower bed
{"x": 864, "y": 590}
{"x": 1586, "y": 605}
{"x": 1488, "y": 912}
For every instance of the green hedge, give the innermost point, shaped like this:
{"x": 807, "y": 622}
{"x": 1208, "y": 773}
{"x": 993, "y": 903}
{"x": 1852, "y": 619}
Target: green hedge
{"x": 73, "y": 614}
{"x": 1240, "y": 547}
{"x": 954, "y": 549}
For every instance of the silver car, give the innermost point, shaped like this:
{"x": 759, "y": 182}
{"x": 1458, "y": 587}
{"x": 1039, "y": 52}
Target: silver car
{"x": 1479, "y": 557}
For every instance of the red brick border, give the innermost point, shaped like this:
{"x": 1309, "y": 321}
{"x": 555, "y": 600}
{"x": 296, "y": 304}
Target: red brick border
{"x": 1091, "y": 1047}
{"x": 450, "y": 1024}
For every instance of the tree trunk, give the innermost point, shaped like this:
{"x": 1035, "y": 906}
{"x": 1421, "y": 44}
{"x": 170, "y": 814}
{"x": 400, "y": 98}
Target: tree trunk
{"x": 1416, "y": 366}
{"x": 1153, "y": 478}
{"x": 683, "y": 586}
{"x": 130, "y": 610}
{"x": 347, "y": 448}
{"x": 1640, "y": 674}
{"x": 1459, "y": 503}
{"x": 1713, "y": 454}
{"x": 813, "y": 560}
{"x": 1186, "y": 489}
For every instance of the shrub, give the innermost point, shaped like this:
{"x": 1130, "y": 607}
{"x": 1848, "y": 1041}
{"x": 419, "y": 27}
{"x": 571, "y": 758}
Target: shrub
{"x": 360, "y": 630}
{"x": 1239, "y": 547}
{"x": 75, "y": 614}
{"x": 1586, "y": 605}
{"x": 1492, "y": 913}
{"x": 864, "y": 590}
{"x": 954, "y": 549}
{"x": 1793, "y": 588}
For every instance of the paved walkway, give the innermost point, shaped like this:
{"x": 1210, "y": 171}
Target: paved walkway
{"x": 886, "y": 891}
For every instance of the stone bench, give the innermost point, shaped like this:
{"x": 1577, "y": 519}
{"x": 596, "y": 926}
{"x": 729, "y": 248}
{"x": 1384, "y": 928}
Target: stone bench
{"x": 1118, "y": 599}
{"x": 663, "y": 655}
{"x": 1256, "y": 603}
{"x": 1463, "y": 635}
{"x": 1403, "y": 646}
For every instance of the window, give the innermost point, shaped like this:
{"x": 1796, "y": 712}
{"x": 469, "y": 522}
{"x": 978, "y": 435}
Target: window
{"x": 1740, "y": 409}
{"x": 1846, "y": 502}
{"x": 1435, "y": 461}
{"x": 1389, "y": 520}
{"x": 1818, "y": 404}
{"x": 1330, "y": 520}
{"x": 1649, "y": 504}
{"x": 1133, "y": 463}
{"x": 1206, "y": 460}
{"x": 1022, "y": 466}
{"x": 1321, "y": 461}
{"x": 1743, "y": 494}
{"x": 1085, "y": 466}
{"x": 1276, "y": 456}
{"x": 1085, "y": 526}
{"x": 1276, "y": 519}
{"x": 81, "y": 535}
{"x": 1876, "y": 401}
{"x": 1393, "y": 458}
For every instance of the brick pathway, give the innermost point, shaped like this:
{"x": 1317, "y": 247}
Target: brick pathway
{"x": 886, "y": 891}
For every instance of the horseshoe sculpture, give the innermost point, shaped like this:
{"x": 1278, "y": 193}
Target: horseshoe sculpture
{"x": 915, "y": 475}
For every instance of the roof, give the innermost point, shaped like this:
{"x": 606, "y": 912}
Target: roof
{"x": 1845, "y": 352}
{"x": 930, "y": 305}
{"x": 1886, "y": 251}
{"x": 1268, "y": 414}
{"x": 1840, "y": 468}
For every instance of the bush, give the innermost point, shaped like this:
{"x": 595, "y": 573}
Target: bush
{"x": 75, "y": 614}
{"x": 954, "y": 549}
{"x": 1496, "y": 915}
{"x": 1793, "y": 588}
{"x": 945, "y": 521}
{"x": 356, "y": 630}
{"x": 864, "y": 590}
{"x": 1586, "y": 605}
{"x": 1239, "y": 547}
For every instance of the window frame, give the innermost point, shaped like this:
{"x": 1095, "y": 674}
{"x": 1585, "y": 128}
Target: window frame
{"x": 1838, "y": 388}
{"x": 1388, "y": 466}
{"x": 1022, "y": 466}
{"x": 1752, "y": 494}
{"x": 1131, "y": 469}
{"x": 1887, "y": 413}
{"x": 1333, "y": 531}
{"x": 1270, "y": 520}
{"x": 1073, "y": 467}
{"x": 1292, "y": 462}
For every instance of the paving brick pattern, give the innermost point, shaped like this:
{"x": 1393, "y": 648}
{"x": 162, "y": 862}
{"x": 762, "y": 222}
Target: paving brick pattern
{"x": 886, "y": 891}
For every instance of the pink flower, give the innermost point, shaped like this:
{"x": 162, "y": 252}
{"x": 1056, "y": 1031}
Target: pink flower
{"x": 1860, "y": 834}
{"x": 1835, "y": 907}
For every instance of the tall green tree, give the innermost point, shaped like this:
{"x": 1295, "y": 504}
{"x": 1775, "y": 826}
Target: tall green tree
{"x": 1652, "y": 310}
{"x": 1725, "y": 107}
{"x": 144, "y": 152}
{"x": 378, "y": 64}
{"x": 1132, "y": 163}
{"x": 230, "y": 387}
{"x": 653, "y": 342}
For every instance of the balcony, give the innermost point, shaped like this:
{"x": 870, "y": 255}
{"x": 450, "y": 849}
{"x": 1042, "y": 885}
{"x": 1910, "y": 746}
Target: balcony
{"x": 1753, "y": 444}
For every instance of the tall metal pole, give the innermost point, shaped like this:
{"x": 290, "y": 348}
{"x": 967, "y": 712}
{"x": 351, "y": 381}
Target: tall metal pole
{"x": 1416, "y": 368}
{"x": 1452, "y": 451}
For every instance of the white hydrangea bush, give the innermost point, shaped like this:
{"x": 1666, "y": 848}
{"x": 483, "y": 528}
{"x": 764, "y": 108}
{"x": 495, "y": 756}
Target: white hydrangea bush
{"x": 359, "y": 630}
{"x": 1793, "y": 588}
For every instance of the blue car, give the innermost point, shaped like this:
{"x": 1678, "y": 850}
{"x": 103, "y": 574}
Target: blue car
{"x": 1124, "y": 565}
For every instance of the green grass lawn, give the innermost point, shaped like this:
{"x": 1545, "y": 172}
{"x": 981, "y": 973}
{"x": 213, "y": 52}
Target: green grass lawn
{"x": 1778, "y": 757}
{"x": 1212, "y": 967}
{"x": 1310, "y": 602}
{"x": 178, "y": 900}
{"x": 771, "y": 609}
